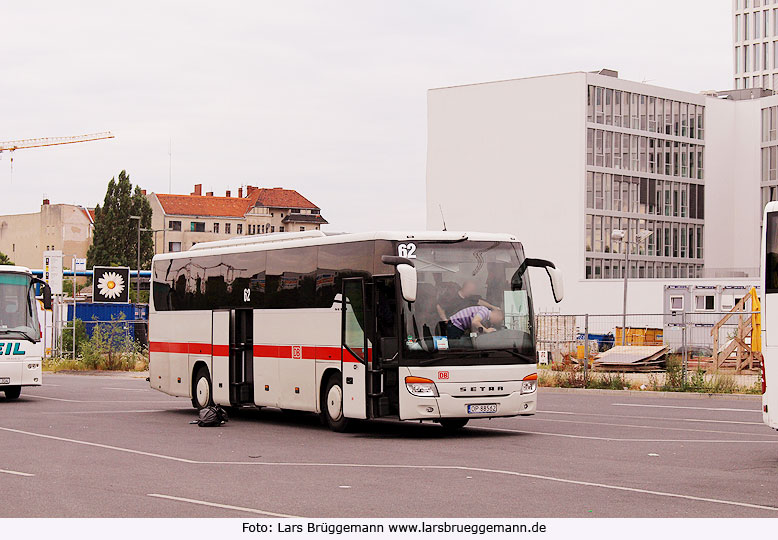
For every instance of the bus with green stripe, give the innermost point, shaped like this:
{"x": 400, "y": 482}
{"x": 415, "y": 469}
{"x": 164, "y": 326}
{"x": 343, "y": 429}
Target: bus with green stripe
{"x": 21, "y": 347}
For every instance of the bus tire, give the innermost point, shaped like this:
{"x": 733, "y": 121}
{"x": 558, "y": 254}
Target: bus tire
{"x": 12, "y": 392}
{"x": 332, "y": 404}
{"x": 202, "y": 389}
{"x": 453, "y": 424}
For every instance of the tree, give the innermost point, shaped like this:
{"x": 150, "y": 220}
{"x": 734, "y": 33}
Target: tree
{"x": 4, "y": 259}
{"x": 114, "y": 242}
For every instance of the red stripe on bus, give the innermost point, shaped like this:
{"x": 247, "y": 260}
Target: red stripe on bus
{"x": 262, "y": 351}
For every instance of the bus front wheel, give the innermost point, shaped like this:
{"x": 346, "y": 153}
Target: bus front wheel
{"x": 332, "y": 404}
{"x": 12, "y": 392}
{"x": 202, "y": 396}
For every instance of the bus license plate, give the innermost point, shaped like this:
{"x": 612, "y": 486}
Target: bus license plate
{"x": 483, "y": 408}
{"x": 5, "y": 380}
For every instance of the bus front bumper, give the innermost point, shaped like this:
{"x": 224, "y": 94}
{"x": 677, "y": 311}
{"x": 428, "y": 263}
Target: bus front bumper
{"x": 448, "y": 406}
{"x": 26, "y": 372}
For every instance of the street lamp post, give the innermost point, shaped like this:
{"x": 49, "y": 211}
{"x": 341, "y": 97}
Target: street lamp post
{"x": 620, "y": 235}
{"x": 154, "y": 231}
{"x": 137, "y": 276}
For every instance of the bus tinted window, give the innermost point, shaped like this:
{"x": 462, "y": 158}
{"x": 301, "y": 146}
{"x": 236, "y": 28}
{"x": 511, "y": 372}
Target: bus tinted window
{"x": 771, "y": 255}
{"x": 289, "y": 278}
{"x": 338, "y": 261}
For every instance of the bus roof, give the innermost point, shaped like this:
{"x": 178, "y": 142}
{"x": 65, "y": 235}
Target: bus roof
{"x": 265, "y": 242}
{"x": 15, "y": 269}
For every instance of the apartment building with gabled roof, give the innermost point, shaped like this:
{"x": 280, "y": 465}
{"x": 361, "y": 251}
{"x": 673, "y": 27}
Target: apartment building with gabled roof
{"x": 180, "y": 221}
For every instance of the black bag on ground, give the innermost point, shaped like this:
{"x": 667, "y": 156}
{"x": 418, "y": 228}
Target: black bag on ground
{"x": 212, "y": 416}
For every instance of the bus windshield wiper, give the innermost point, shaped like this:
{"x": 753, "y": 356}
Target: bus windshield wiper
{"x": 25, "y": 335}
{"x": 451, "y": 354}
{"x": 517, "y": 354}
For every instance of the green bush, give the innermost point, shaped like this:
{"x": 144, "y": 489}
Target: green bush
{"x": 111, "y": 347}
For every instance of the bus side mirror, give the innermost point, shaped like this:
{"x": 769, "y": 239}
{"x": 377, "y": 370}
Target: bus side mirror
{"x": 408, "y": 278}
{"x": 557, "y": 285}
{"x": 408, "y": 281}
{"x": 45, "y": 292}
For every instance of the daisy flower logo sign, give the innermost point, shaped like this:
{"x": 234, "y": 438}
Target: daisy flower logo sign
{"x": 111, "y": 284}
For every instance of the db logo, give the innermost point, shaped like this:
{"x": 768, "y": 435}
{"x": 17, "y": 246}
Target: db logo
{"x": 442, "y": 375}
{"x": 297, "y": 352}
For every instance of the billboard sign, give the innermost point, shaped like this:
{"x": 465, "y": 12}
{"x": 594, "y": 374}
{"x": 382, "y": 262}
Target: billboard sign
{"x": 111, "y": 284}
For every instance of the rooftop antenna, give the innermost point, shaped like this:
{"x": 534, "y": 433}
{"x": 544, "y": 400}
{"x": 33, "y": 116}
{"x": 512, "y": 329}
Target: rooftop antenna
{"x": 442, "y": 216}
{"x": 170, "y": 165}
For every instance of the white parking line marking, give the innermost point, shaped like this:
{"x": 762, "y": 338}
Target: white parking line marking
{"x": 224, "y": 506}
{"x": 663, "y": 428}
{"x": 669, "y": 419}
{"x": 127, "y": 389}
{"x": 620, "y": 439}
{"x": 755, "y": 411}
{"x": 423, "y": 467}
{"x": 16, "y": 473}
{"x": 171, "y": 401}
{"x": 120, "y": 412}
{"x": 98, "y": 445}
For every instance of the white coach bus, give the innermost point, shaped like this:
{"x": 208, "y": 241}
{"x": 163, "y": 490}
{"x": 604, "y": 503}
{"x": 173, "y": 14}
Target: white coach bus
{"x": 350, "y": 326}
{"x": 769, "y": 314}
{"x": 21, "y": 349}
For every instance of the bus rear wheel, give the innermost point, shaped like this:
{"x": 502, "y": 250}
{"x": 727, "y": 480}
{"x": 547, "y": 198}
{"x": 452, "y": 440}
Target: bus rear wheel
{"x": 332, "y": 404}
{"x": 202, "y": 396}
{"x": 453, "y": 424}
{"x": 12, "y": 392}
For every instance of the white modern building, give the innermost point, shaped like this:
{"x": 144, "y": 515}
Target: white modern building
{"x": 563, "y": 160}
{"x": 755, "y": 35}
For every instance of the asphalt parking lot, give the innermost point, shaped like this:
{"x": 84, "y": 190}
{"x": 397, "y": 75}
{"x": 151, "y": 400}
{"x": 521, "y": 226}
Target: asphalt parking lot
{"x": 107, "y": 446}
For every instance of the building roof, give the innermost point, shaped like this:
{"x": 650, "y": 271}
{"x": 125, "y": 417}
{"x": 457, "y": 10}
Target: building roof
{"x": 199, "y": 205}
{"x": 279, "y": 198}
{"x": 90, "y": 214}
{"x": 304, "y": 218}
{"x": 195, "y": 204}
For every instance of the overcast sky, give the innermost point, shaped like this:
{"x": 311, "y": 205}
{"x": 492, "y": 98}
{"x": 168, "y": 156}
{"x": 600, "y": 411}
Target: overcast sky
{"x": 328, "y": 98}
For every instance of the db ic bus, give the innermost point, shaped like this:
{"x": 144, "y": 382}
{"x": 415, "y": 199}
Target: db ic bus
{"x": 21, "y": 350}
{"x": 350, "y": 326}
{"x": 769, "y": 315}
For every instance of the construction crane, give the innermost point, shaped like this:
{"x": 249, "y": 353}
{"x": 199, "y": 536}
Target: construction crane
{"x": 11, "y": 146}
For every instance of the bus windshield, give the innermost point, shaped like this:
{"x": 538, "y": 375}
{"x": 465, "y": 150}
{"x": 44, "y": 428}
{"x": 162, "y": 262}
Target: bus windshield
{"x": 18, "y": 312}
{"x": 473, "y": 303}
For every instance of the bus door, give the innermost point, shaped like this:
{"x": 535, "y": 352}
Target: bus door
{"x": 242, "y": 356}
{"x": 386, "y": 352}
{"x": 355, "y": 348}
{"x": 232, "y": 360}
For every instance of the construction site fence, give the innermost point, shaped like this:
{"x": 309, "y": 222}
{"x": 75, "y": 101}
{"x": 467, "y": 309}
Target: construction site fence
{"x": 692, "y": 336}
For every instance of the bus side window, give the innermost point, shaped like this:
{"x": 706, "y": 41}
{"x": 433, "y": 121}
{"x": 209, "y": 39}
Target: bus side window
{"x": 771, "y": 255}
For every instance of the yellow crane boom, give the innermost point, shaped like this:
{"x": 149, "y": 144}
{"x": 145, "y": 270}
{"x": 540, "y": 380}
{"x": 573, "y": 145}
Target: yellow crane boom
{"x": 10, "y": 146}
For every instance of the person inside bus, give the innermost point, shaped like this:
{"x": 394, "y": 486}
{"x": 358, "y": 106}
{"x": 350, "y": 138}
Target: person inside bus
{"x": 474, "y": 319}
{"x": 465, "y": 296}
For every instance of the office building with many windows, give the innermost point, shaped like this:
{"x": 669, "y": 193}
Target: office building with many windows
{"x": 755, "y": 35}
{"x": 564, "y": 160}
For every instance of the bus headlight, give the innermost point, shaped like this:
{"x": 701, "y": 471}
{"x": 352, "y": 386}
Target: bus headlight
{"x": 419, "y": 386}
{"x": 529, "y": 384}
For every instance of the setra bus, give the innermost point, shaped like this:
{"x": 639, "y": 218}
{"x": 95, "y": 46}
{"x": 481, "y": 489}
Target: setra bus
{"x": 769, "y": 315}
{"x": 21, "y": 349}
{"x": 350, "y": 326}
